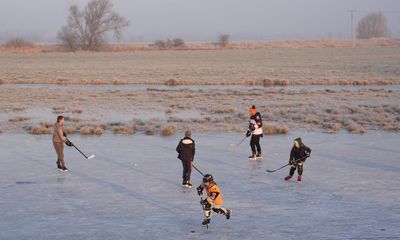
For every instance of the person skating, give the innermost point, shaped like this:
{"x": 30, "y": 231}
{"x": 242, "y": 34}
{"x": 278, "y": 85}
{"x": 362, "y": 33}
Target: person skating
{"x": 256, "y": 132}
{"x": 186, "y": 150}
{"x": 59, "y": 138}
{"x": 213, "y": 200}
{"x": 298, "y": 156}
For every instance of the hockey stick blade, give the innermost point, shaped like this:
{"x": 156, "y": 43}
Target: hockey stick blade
{"x": 91, "y": 156}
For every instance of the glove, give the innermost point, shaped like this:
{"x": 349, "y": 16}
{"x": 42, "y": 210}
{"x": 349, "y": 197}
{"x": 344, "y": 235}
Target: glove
{"x": 64, "y": 134}
{"x": 203, "y": 201}
{"x": 248, "y": 133}
{"x": 68, "y": 143}
{"x": 199, "y": 191}
{"x": 308, "y": 154}
{"x": 291, "y": 162}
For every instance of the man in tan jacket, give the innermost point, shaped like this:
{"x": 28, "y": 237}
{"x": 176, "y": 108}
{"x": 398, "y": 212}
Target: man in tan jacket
{"x": 59, "y": 138}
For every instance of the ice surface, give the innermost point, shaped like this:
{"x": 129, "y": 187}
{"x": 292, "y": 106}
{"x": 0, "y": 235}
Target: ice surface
{"x": 131, "y": 190}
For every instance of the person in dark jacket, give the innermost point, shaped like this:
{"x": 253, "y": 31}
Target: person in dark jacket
{"x": 256, "y": 132}
{"x": 186, "y": 150}
{"x": 298, "y": 156}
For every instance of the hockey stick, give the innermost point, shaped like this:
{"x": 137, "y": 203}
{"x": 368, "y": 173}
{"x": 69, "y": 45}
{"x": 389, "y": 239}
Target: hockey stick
{"x": 278, "y": 168}
{"x": 284, "y": 165}
{"x": 235, "y": 145}
{"x": 90, "y": 157}
{"x": 197, "y": 169}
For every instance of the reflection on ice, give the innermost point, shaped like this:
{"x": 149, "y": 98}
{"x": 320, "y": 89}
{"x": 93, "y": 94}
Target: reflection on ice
{"x": 131, "y": 190}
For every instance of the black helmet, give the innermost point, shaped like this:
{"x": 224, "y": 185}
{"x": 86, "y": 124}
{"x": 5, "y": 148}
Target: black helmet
{"x": 208, "y": 178}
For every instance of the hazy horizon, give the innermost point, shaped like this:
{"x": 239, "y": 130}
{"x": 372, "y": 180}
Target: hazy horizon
{"x": 150, "y": 20}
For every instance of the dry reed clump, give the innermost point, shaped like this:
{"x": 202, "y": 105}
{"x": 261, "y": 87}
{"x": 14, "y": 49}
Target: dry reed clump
{"x": 71, "y": 129}
{"x": 1, "y": 81}
{"x": 124, "y": 130}
{"x": 18, "y": 109}
{"x": 78, "y": 111}
{"x": 87, "y": 130}
{"x": 42, "y": 129}
{"x": 150, "y": 130}
{"x": 334, "y": 127}
{"x": 98, "y": 131}
{"x": 58, "y": 110}
{"x": 19, "y": 119}
{"x": 168, "y": 111}
{"x": 169, "y": 130}
{"x": 222, "y": 111}
{"x": 1, "y": 130}
{"x": 171, "y": 82}
{"x": 272, "y": 129}
{"x": 354, "y": 127}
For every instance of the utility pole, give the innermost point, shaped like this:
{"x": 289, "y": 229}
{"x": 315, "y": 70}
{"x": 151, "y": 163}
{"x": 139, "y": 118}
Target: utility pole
{"x": 352, "y": 23}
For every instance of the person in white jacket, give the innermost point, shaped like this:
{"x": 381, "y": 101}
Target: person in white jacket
{"x": 256, "y": 132}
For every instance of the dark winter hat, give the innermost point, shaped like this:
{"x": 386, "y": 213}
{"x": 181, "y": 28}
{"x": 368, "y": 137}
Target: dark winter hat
{"x": 208, "y": 178}
{"x": 299, "y": 141}
{"x": 188, "y": 134}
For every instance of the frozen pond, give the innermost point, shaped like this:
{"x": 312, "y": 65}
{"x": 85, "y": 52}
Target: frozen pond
{"x": 351, "y": 189}
{"x": 208, "y": 87}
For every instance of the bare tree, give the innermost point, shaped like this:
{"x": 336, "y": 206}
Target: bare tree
{"x": 223, "y": 40}
{"x": 87, "y": 29}
{"x": 178, "y": 43}
{"x": 372, "y": 25}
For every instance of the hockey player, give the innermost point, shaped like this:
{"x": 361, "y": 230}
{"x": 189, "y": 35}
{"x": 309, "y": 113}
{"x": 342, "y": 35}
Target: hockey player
{"x": 298, "y": 156}
{"x": 256, "y": 132}
{"x": 186, "y": 150}
{"x": 59, "y": 138}
{"x": 213, "y": 200}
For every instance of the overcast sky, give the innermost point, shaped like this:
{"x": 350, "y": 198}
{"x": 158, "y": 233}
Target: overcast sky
{"x": 203, "y": 20}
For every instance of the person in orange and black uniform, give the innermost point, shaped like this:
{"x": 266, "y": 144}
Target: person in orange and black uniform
{"x": 186, "y": 150}
{"x": 256, "y": 132}
{"x": 213, "y": 200}
{"x": 298, "y": 156}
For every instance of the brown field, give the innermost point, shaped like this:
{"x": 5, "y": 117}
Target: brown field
{"x": 151, "y": 111}
{"x": 287, "y": 63}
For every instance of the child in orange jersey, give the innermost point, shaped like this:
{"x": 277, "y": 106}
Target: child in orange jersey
{"x": 213, "y": 200}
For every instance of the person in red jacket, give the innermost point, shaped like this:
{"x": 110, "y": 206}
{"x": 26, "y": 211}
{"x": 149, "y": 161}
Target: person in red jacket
{"x": 186, "y": 150}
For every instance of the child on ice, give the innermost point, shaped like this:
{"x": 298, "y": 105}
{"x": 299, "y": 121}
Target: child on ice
{"x": 213, "y": 200}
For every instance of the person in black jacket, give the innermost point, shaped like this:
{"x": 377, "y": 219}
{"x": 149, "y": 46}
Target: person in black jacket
{"x": 298, "y": 156}
{"x": 186, "y": 150}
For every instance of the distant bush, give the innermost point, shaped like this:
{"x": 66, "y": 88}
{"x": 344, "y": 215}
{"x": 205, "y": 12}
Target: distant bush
{"x": 18, "y": 43}
{"x": 223, "y": 40}
{"x": 169, "y": 44}
{"x": 372, "y": 26}
{"x": 178, "y": 43}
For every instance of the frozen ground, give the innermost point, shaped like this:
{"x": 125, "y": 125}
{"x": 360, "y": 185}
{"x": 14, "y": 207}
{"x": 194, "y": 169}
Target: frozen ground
{"x": 351, "y": 189}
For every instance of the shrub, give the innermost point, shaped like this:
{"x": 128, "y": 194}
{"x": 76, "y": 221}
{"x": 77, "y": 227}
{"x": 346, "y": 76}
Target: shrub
{"x": 123, "y": 130}
{"x": 168, "y": 131}
{"x": 171, "y": 82}
{"x": 18, "y": 43}
{"x": 272, "y": 129}
{"x": 87, "y": 130}
{"x": 223, "y": 40}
